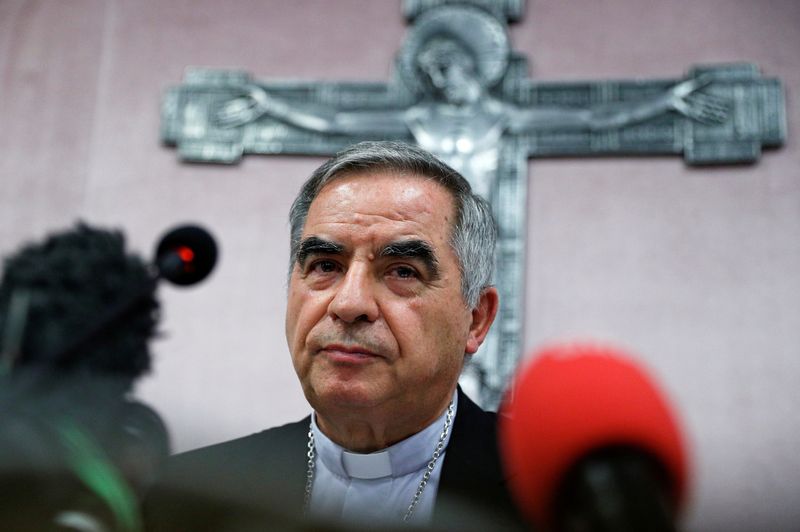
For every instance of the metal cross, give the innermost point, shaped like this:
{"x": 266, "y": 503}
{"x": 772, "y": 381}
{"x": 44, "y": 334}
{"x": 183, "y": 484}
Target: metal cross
{"x": 459, "y": 91}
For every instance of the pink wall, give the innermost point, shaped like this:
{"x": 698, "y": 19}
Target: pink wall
{"x": 696, "y": 270}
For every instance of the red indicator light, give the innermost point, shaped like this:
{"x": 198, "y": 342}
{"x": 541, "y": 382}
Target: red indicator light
{"x": 185, "y": 253}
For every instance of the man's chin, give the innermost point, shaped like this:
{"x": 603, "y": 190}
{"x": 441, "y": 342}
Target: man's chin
{"x": 344, "y": 395}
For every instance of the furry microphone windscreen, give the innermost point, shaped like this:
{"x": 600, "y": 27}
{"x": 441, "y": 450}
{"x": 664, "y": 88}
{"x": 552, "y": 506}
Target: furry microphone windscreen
{"x": 72, "y": 279}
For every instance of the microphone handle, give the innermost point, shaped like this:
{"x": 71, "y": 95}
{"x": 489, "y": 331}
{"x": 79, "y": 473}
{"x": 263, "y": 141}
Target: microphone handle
{"x": 614, "y": 490}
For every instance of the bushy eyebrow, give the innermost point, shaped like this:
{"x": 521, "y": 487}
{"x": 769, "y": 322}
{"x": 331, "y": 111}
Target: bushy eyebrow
{"x": 315, "y": 245}
{"x": 414, "y": 249}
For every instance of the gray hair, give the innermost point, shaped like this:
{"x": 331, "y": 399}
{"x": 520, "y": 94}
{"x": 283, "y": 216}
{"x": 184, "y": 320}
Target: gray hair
{"x": 474, "y": 232}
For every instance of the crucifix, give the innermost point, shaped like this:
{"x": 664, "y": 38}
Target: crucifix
{"x": 459, "y": 91}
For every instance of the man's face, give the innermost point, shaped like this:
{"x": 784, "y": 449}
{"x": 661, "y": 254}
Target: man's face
{"x": 375, "y": 320}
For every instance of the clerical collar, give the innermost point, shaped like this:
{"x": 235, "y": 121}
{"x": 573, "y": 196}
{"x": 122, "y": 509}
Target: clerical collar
{"x": 402, "y": 458}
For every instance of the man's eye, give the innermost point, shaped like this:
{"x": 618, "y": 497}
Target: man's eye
{"x": 323, "y": 266}
{"x": 404, "y": 272}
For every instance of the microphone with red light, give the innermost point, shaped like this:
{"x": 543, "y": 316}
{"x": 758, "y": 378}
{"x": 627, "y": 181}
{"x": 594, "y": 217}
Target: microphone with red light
{"x": 591, "y": 444}
{"x": 184, "y": 256}
{"x": 77, "y": 312}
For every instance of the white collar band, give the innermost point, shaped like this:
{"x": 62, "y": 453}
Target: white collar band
{"x": 367, "y": 466}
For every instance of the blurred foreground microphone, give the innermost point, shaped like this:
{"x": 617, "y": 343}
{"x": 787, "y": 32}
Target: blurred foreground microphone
{"x": 120, "y": 289}
{"x": 592, "y": 445}
{"x": 77, "y": 313}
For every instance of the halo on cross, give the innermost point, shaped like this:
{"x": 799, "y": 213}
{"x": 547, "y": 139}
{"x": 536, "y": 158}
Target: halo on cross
{"x": 472, "y": 29}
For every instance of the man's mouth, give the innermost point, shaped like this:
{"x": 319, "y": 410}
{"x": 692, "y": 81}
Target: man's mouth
{"x": 346, "y": 354}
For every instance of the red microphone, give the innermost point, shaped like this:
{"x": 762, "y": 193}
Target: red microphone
{"x": 591, "y": 443}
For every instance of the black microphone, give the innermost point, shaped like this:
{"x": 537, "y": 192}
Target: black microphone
{"x": 77, "y": 312}
{"x": 186, "y": 255}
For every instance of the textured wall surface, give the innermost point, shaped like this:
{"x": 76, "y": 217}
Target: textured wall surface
{"x": 696, "y": 270}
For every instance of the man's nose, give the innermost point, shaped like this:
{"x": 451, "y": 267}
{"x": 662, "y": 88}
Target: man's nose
{"x": 355, "y": 297}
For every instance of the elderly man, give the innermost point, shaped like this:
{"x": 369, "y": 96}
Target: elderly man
{"x": 389, "y": 293}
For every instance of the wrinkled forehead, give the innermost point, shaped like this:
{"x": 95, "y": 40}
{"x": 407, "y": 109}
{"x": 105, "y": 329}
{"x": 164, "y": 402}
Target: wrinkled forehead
{"x": 378, "y": 172}
{"x": 371, "y": 186}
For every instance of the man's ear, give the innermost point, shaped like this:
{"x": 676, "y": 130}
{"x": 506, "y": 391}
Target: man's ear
{"x": 482, "y": 317}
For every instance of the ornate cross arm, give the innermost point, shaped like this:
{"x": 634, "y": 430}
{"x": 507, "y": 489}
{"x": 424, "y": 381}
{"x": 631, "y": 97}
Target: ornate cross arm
{"x": 682, "y": 97}
{"x": 256, "y": 102}
{"x": 720, "y": 114}
{"x": 218, "y": 115}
